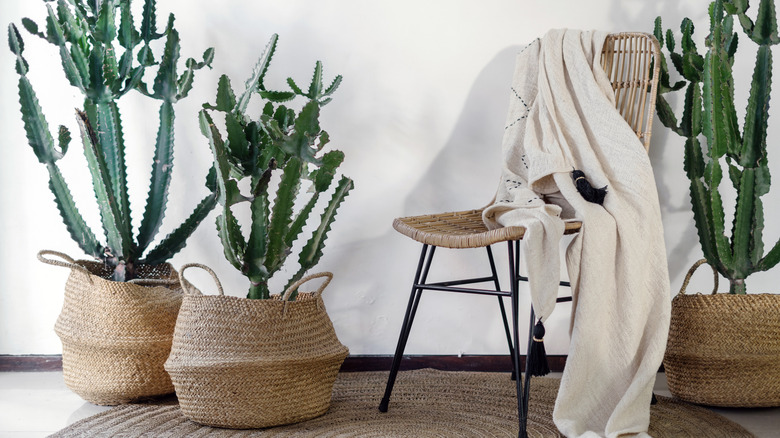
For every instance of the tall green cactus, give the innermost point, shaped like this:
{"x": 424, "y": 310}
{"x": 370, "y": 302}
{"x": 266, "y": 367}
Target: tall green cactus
{"x": 709, "y": 111}
{"x": 283, "y": 142}
{"x": 86, "y": 34}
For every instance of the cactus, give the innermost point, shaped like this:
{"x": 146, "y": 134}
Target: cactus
{"x": 86, "y": 33}
{"x": 279, "y": 141}
{"x": 709, "y": 111}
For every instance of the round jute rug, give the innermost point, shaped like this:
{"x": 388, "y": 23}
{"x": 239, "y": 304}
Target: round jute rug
{"x": 425, "y": 403}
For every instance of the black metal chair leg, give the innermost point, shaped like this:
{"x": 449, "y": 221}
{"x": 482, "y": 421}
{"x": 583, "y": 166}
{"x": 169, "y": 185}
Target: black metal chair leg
{"x": 503, "y": 309}
{"x": 527, "y": 383}
{"x": 411, "y": 310}
{"x": 513, "y": 276}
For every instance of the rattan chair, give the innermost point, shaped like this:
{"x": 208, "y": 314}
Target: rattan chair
{"x": 628, "y": 59}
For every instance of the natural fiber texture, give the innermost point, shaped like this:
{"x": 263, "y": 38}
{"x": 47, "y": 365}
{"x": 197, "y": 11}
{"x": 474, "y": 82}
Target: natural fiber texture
{"x": 460, "y": 229}
{"x": 724, "y": 349}
{"x": 116, "y": 336}
{"x": 242, "y": 363}
{"x": 426, "y": 403}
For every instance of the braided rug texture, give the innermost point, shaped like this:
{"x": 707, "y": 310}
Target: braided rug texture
{"x": 425, "y": 403}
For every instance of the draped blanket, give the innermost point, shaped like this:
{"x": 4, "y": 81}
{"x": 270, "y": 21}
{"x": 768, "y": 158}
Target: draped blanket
{"x": 562, "y": 117}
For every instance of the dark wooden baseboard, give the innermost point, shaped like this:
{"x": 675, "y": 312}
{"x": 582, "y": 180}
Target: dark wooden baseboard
{"x": 352, "y": 363}
{"x": 40, "y": 362}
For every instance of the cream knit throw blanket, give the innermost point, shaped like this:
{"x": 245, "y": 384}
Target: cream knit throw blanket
{"x": 562, "y": 116}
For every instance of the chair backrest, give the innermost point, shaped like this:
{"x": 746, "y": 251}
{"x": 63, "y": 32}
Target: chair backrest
{"x": 628, "y": 59}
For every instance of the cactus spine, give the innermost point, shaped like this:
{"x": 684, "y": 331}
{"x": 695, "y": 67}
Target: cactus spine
{"x": 86, "y": 34}
{"x": 279, "y": 141}
{"x": 709, "y": 110}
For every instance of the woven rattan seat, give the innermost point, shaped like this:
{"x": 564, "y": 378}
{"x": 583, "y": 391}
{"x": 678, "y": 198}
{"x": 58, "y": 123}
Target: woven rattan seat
{"x": 460, "y": 229}
{"x": 628, "y": 60}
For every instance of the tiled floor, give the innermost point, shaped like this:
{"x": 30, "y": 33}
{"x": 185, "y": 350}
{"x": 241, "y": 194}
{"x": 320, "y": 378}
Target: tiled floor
{"x": 38, "y": 404}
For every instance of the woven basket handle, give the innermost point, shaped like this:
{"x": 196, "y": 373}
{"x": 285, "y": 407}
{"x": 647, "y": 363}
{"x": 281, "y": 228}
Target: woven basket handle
{"x": 690, "y": 273}
{"x": 68, "y": 263}
{"x": 185, "y": 285}
{"x": 293, "y": 287}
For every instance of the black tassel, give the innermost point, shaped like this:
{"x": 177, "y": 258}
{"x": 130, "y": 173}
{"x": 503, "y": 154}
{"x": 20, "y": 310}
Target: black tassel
{"x": 537, "y": 356}
{"x": 590, "y": 193}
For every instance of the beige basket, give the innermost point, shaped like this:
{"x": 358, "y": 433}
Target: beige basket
{"x": 116, "y": 336}
{"x": 724, "y": 349}
{"x": 241, "y": 363}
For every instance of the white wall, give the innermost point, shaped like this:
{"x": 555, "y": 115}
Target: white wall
{"x": 419, "y": 115}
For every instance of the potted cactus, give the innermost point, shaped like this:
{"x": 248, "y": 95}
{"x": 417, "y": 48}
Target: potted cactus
{"x": 724, "y": 349}
{"x": 264, "y": 360}
{"x": 117, "y": 322}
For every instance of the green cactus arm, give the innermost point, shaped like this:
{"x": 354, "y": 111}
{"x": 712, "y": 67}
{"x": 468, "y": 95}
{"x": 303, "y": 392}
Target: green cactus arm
{"x": 757, "y": 236}
{"x": 110, "y": 141}
{"x": 312, "y": 251}
{"x": 165, "y": 86}
{"x": 255, "y": 81}
{"x": 315, "y": 87}
{"x": 296, "y": 89}
{"x": 277, "y": 96}
{"x": 233, "y": 243}
{"x": 322, "y": 179}
{"x": 111, "y": 72}
{"x": 771, "y": 259}
{"x": 764, "y": 30}
{"x": 105, "y": 27}
{"x": 334, "y": 85}
{"x": 162, "y": 167}
{"x": 716, "y": 123}
{"x": 125, "y": 69}
{"x": 692, "y": 112}
{"x": 237, "y": 143}
{"x": 226, "y": 99}
{"x": 175, "y": 241}
{"x": 184, "y": 84}
{"x": 74, "y": 24}
{"x": 700, "y": 202}
{"x": 32, "y": 27}
{"x": 757, "y": 115}
{"x": 281, "y": 215}
{"x": 257, "y": 247}
{"x": 713, "y": 176}
{"x": 119, "y": 239}
{"x": 227, "y": 189}
{"x": 35, "y": 125}
{"x": 149, "y": 22}
{"x": 323, "y": 175}
{"x": 300, "y": 220}
{"x": 127, "y": 35}
{"x": 306, "y": 126}
{"x": 742, "y": 227}
{"x": 77, "y": 228}
{"x": 56, "y": 36}
{"x": 693, "y": 161}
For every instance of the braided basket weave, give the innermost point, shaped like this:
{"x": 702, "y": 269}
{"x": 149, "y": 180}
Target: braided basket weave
{"x": 724, "y": 349}
{"x": 240, "y": 363}
{"x": 116, "y": 335}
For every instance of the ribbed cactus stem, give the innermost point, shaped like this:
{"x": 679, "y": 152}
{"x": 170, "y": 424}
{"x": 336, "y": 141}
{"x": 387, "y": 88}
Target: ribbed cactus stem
{"x": 97, "y": 45}
{"x": 737, "y": 286}
{"x": 709, "y": 110}
{"x": 279, "y": 142}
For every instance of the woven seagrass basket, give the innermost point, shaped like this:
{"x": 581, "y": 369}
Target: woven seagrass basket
{"x": 724, "y": 349}
{"x": 116, "y": 336}
{"x": 241, "y": 364}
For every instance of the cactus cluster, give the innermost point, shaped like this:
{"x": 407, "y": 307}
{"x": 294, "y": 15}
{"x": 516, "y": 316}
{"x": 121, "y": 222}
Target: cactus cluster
{"x": 282, "y": 142}
{"x": 709, "y": 111}
{"x": 105, "y": 56}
